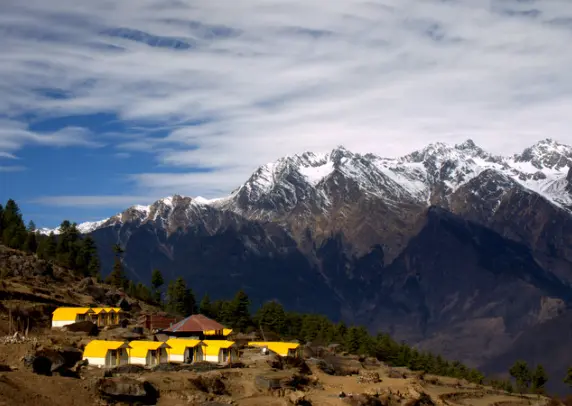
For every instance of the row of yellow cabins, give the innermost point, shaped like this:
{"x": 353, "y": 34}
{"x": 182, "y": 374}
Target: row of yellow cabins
{"x": 105, "y": 353}
{"x": 108, "y": 354}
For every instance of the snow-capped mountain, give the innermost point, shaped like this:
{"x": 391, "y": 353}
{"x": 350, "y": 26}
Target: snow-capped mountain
{"x": 311, "y": 183}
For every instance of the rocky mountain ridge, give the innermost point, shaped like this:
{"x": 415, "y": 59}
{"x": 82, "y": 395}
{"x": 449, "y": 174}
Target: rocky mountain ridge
{"x": 315, "y": 184}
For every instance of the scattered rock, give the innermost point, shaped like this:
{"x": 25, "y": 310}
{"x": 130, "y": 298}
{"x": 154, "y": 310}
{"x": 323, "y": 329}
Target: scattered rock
{"x": 423, "y": 400}
{"x": 363, "y": 400}
{"x": 83, "y": 327}
{"x": 298, "y": 398}
{"x": 395, "y": 374}
{"x": 128, "y": 390}
{"x": 368, "y": 377}
{"x": 209, "y": 383}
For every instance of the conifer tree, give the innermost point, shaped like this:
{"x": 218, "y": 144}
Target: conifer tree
{"x": 117, "y": 276}
{"x": 87, "y": 257}
{"x": 13, "y": 228}
{"x": 156, "y": 282}
{"x": 51, "y": 246}
{"x": 180, "y": 299}
{"x": 240, "y": 311}
{"x": 205, "y": 307}
{"x": 271, "y": 316}
{"x": 31, "y": 227}
{"x": 30, "y": 244}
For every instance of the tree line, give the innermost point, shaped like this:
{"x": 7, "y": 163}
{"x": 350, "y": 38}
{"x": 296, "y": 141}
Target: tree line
{"x": 69, "y": 249}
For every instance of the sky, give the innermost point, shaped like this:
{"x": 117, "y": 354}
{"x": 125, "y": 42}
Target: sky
{"x": 106, "y": 104}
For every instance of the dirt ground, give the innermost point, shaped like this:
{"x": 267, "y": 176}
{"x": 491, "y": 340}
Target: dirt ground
{"x": 22, "y": 387}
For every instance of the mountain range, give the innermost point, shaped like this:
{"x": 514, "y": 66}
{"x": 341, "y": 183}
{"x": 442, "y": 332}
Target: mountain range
{"x": 450, "y": 247}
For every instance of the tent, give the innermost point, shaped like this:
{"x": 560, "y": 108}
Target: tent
{"x": 107, "y": 354}
{"x": 185, "y": 350}
{"x": 220, "y": 351}
{"x": 148, "y": 353}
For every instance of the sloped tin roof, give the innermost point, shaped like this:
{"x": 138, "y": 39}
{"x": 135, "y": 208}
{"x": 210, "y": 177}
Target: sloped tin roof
{"x": 195, "y": 323}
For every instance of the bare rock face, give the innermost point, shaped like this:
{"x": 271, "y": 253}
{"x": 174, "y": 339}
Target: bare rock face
{"x": 122, "y": 389}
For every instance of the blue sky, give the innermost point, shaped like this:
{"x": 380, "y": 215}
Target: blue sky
{"x": 108, "y": 104}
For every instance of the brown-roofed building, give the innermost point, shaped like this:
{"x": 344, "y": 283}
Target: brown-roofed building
{"x": 199, "y": 327}
{"x": 157, "y": 321}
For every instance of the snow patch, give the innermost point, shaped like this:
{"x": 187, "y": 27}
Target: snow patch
{"x": 314, "y": 174}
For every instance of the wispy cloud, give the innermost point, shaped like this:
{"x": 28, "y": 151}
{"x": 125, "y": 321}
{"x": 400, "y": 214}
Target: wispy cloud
{"x": 14, "y": 134}
{"x": 7, "y": 155}
{"x": 240, "y": 83}
{"x": 91, "y": 201}
{"x": 13, "y": 168}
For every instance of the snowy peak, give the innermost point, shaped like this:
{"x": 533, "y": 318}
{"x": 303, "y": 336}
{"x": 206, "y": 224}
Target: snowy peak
{"x": 317, "y": 182}
{"x": 546, "y": 154}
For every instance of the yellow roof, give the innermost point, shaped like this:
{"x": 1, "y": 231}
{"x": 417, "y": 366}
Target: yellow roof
{"x": 278, "y": 347}
{"x": 99, "y": 348}
{"x": 139, "y": 348}
{"x": 213, "y": 346}
{"x": 225, "y": 332}
{"x": 178, "y": 345}
{"x": 98, "y": 310}
{"x": 69, "y": 313}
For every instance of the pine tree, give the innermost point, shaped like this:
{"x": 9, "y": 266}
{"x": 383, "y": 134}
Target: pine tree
{"x": 240, "y": 311}
{"x": 520, "y": 372}
{"x": 31, "y": 244}
{"x": 156, "y": 282}
{"x": 68, "y": 247}
{"x": 117, "y": 277}
{"x": 13, "y": 228}
{"x": 51, "y": 246}
{"x": 180, "y": 299}
{"x": 31, "y": 227}
{"x": 87, "y": 257}
{"x": 271, "y": 316}
{"x": 205, "y": 307}
{"x": 539, "y": 379}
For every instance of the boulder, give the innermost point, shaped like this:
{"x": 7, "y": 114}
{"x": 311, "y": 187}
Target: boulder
{"x": 122, "y": 389}
{"x": 45, "y": 362}
{"x": 422, "y": 400}
{"x": 298, "y": 398}
{"x": 82, "y": 327}
{"x": 209, "y": 383}
{"x": 363, "y": 400}
{"x": 395, "y": 374}
{"x": 368, "y": 377}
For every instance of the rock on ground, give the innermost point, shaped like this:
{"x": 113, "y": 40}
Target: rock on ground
{"x": 128, "y": 390}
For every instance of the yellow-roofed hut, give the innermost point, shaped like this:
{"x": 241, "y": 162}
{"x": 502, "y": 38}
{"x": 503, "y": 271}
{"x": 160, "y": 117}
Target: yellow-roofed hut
{"x": 106, "y": 354}
{"x": 185, "y": 350}
{"x": 64, "y": 316}
{"x": 148, "y": 353}
{"x": 280, "y": 348}
{"x": 220, "y": 351}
